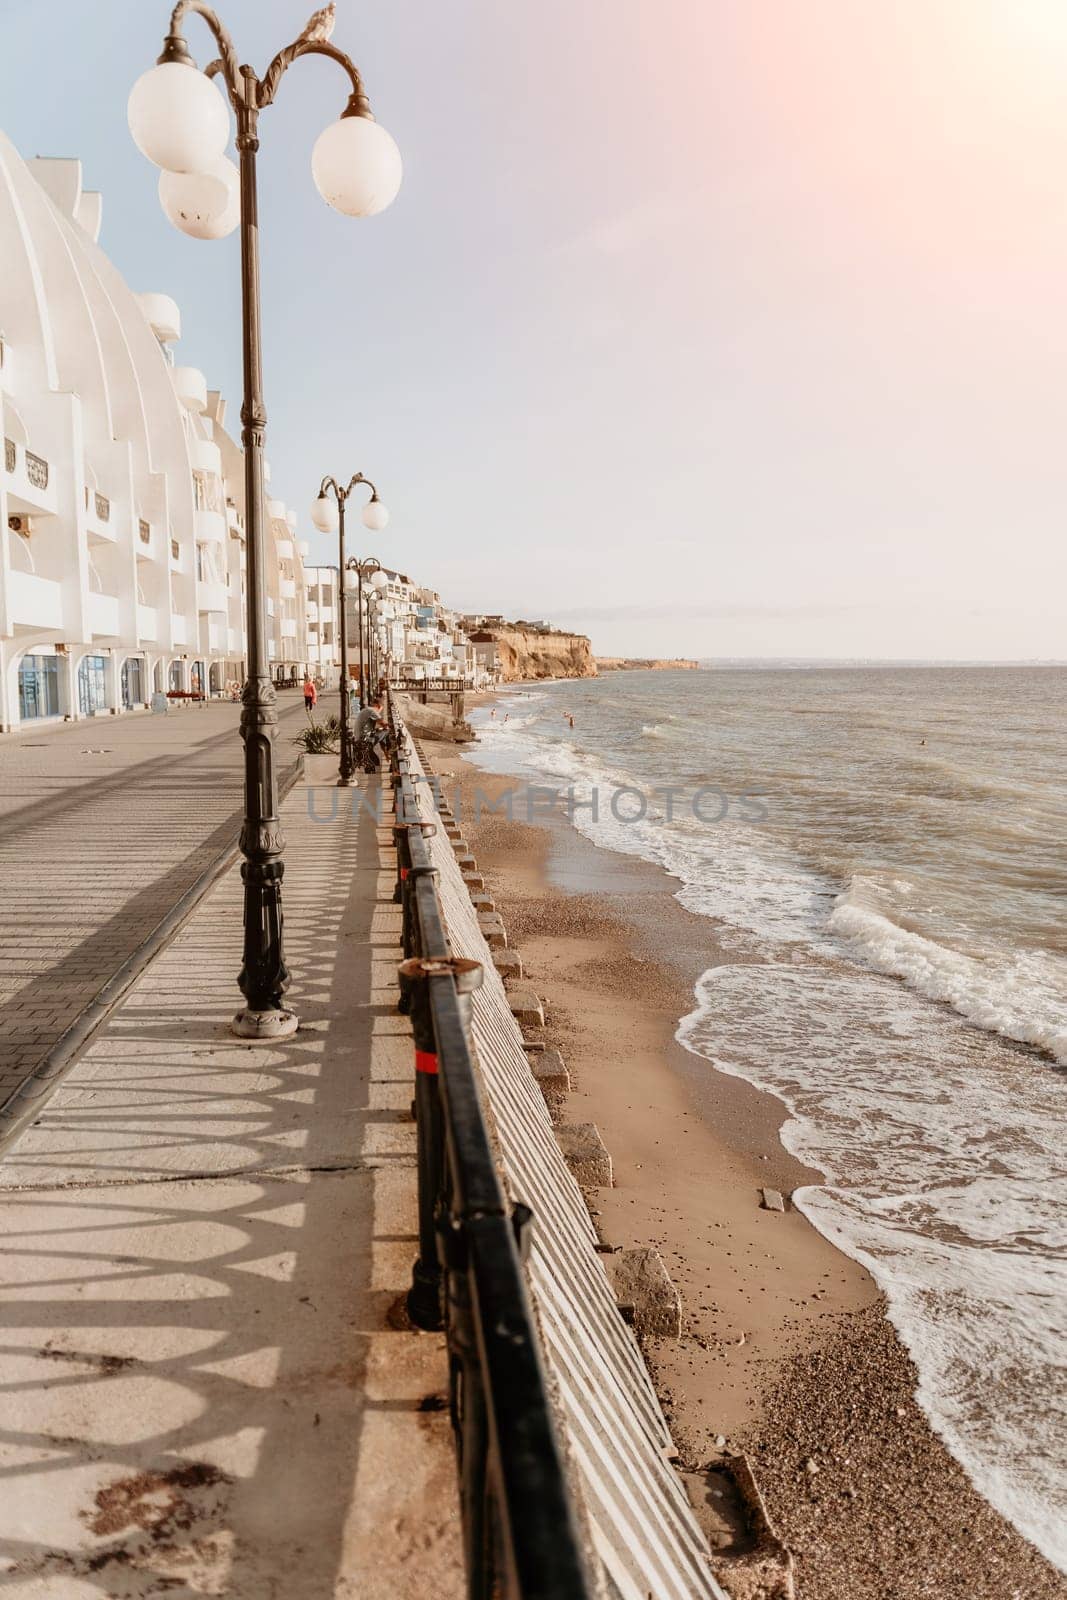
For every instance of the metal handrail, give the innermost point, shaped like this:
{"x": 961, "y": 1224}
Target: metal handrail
{"x": 520, "y": 1529}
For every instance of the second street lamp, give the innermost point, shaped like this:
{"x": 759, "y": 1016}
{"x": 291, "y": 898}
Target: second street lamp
{"x": 328, "y": 515}
{"x": 179, "y": 120}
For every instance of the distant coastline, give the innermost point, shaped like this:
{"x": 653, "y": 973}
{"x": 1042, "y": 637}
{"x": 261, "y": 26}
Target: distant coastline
{"x": 645, "y": 664}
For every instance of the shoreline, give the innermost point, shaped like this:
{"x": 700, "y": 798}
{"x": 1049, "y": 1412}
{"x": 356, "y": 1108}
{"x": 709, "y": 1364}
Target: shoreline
{"x": 787, "y": 1354}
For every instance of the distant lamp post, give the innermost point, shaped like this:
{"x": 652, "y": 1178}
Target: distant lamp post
{"x": 328, "y": 515}
{"x": 180, "y": 121}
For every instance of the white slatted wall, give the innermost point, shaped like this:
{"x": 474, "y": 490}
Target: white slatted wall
{"x": 642, "y": 1525}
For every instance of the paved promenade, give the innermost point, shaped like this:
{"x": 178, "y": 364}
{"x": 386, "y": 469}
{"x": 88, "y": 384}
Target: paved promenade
{"x": 206, "y": 1388}
{"x": 104, "y": 825}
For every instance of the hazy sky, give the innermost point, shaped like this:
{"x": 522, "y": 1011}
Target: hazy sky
{"x": 720, "y": 327}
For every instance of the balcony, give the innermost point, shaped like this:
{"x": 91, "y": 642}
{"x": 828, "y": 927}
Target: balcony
{"x": 178, "y": 632}
{"x": 276, "y": 509}
{"x": 272, "y": 649}
{"x": 205, "y": 456}
{"x": 103, "y": 616}
{"x": 211, "y": 596}
{"x": 34, "y": 602}
{"x": 190, "y": 386}
{"x": 99, "y": 520}
{"x": 146, "y": 544}
{"x": 303, "y": 549}
{"x": 147, "y": 624}
{"x": 162, "y": 315}
{"x": 288, "y": 628}
{"x": 216, "y": 634}
{"x": 234, "y": 521}
{"x": 284, "y": 549}
{"x": 287, "y": 588}
{"x": 211, "y": 527}
{"x": 235, "y": 641}
{"x": 31, "y": 482}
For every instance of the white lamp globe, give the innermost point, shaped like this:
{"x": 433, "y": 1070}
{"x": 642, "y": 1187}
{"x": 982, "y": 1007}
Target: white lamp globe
{"x": 356, "y": 166}
{"x": 351, "y": 578}
{"x": 375, "y": 516}
{"x": 379, "y": 580}
{"x": 324, "y": 514}
{"x": 205, "y": 205}
{"x": 178, "y": 118}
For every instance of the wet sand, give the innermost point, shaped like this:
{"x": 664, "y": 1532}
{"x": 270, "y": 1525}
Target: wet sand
{"x": 786, "y": 1354}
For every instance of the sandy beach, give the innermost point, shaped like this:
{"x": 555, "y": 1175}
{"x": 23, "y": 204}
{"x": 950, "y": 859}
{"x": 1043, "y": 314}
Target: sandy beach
{"x": 786, "y": 1355}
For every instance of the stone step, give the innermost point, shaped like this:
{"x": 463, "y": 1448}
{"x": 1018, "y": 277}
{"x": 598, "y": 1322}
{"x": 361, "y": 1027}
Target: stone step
{"x": 585, "y": 1153}
{"x": 508, "y": 963}
{"x": 551, "y": 1075}
{"x": 493, "y": 930}
{"x": 646, "y": 1296}
{"x": 526, "y": 1007}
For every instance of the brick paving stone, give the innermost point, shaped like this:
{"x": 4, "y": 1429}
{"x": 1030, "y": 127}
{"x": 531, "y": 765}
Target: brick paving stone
{"x": 103, "y": 828}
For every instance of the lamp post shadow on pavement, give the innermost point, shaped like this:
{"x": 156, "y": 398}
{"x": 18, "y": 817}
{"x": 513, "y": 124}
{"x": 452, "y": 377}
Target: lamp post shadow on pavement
{"x": 179, "y": 120}
{"x": 328, "y": 515}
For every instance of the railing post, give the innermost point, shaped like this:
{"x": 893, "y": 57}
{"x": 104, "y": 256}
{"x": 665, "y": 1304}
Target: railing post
{"x": 470, "y": 1421}
{"x": 424, "y": 1297}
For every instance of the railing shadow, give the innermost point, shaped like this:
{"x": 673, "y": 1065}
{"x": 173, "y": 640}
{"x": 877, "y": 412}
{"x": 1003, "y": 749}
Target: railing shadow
{"x": 202, "y": 1263}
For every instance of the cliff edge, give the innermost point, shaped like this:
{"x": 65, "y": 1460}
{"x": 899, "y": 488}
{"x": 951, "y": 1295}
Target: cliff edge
{"x": 523, "y": 654}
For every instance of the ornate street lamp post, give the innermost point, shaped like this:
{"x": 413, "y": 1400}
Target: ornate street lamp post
{"x": 328, "y": 515}
{"x": 180, "y": 122}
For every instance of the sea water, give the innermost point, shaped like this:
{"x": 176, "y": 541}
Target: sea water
{"x": 887, "y": 848}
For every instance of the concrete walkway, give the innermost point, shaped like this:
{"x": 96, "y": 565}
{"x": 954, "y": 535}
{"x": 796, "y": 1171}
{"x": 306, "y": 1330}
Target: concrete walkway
{"x": 206, "y": 1386}
{"x": 104, "y": 825}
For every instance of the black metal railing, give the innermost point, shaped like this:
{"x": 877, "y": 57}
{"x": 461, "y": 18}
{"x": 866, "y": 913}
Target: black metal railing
{"x": 405, "y": 685}
{"x": 520, "y": 1530}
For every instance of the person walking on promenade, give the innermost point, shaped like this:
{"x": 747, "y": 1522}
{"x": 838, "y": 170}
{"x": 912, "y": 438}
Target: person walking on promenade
{"x": 311, "y": 694}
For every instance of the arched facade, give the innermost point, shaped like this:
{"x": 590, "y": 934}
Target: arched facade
{"x": 121, "y": 495}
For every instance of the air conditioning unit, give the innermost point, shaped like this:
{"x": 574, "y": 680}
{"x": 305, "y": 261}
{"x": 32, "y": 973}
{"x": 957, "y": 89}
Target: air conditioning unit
{"x": 19, "y": 524}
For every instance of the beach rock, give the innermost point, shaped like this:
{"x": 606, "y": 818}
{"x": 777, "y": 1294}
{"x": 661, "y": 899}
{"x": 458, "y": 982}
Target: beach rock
{"x": 492, "y": 930}
{"x": 585, "y": 1153}
{"x": 772, "y": 1200}
{"x": 526, "y": 1008}
{"x": 646, "y": 1296}
{"x": 473, "y": 880}
{"x": 508, "y": 963}
{"x": 482, "y": 901}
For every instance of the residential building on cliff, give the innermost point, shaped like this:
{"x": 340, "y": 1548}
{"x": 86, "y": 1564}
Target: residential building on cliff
{"x": 122, "y": 516}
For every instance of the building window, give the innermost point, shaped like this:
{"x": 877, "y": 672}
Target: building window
{"x": 103, "y": 507}
{"x": 145, "y": 532}
{"x": 92, "y": 685}
{"x": 38, "y": 687}
{"x": 132, "y": 682}
{"x": 10, "y": 454}
{"x": 37, "y": 470}
{"x": 175, "y": 550}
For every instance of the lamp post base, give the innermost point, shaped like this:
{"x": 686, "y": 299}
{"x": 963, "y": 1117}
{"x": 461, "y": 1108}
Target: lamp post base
{"x": 264, "y": 1026}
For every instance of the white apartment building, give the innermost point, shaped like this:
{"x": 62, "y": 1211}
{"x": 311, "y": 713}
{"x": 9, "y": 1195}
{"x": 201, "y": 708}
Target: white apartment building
{"x": 324, "y": 612}
{"x": 122, "y": 556}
